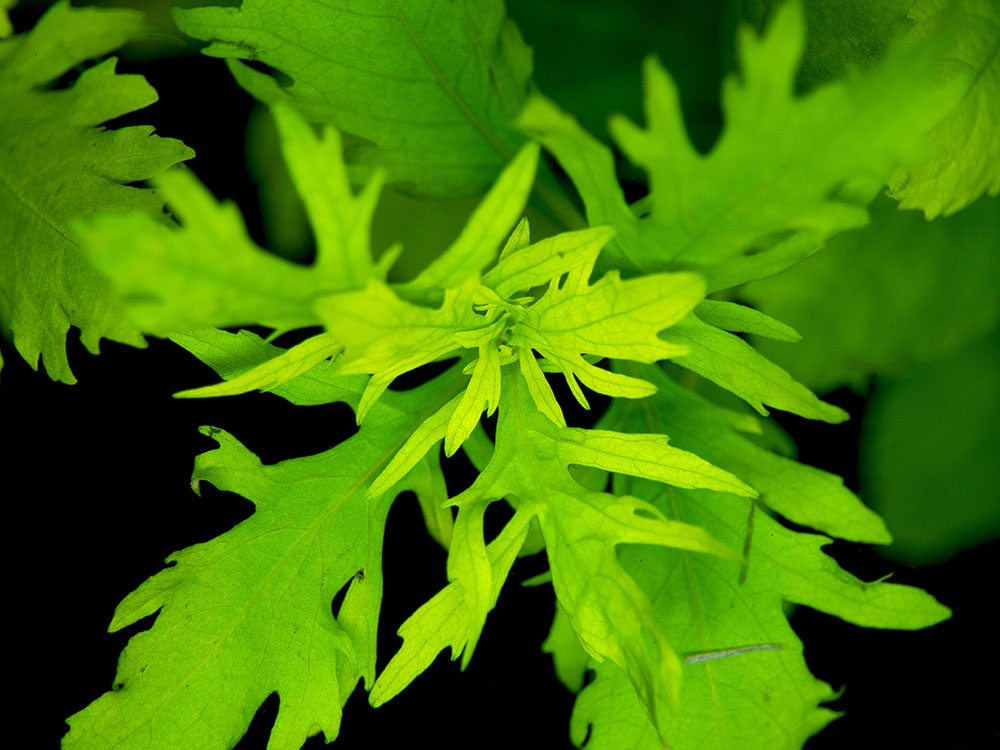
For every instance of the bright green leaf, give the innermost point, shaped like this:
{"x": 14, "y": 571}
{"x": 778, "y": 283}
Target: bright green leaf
{"x": 568, "y": 657}
{"x": 248, "y": 613}
{"x": 420, "y": 441}
{"x": 760, "y": 698}
{"x": 445, "y": 620}
{"x": 57, "y": 164}
{"x": 482, "y": 394}
{"x": 234, "y": 355}
{"x": 208, "y": 272}
{"x": 278, "y": 371}
{"x": 489, "y": 225}
{"x": 386, "y": 336}
{"x": 521, "y": 268}
{"x": 612, "y": 318}
{"x": 581, "y": 529}
{"x": 539, "y": 388}
{"x": 591, "y": 166}
{"x": 469, "y": 565}
{"x": 966, "y": 161}
{"x": 741, "y": 319}
{"x": 341, "y": 222}
{"x": 300, "y": 562}
{"x": 801, "y": 493}
{"x": 730, "y": 362}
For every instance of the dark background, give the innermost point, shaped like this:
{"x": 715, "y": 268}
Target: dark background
{"x": 97, "y": 492}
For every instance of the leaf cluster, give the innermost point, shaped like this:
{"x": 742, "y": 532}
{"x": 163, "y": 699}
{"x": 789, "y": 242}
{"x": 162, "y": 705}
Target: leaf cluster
{"x": 675, "y": 531}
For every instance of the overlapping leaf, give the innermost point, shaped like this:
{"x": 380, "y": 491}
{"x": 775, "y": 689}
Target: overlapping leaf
{"x": 786, "y": 173}
{"x": 56, "y": 164}
{"x": 612, "y": 318}
{"x": 730, "y": 362}
{"x": 917, "y": 292}
{"x": 758, "y": 698}
{"x": 745, "y": 683}
{"x": 249, "y": 613}
{"x": 966, "y": 163}
{"x": 208, "y": 272}
{"x": 449, "y": 77}
{"x": 581, "y": 529}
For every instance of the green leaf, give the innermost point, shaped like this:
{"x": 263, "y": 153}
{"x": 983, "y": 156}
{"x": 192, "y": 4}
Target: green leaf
{"x": 449, "y": 79}
{"x": 519, "y": 269}
{"x": 611, "y": 318}
{"x": 5, "y": 27}
{"x": 760, "y": 698}
{"x": 469, "y": 564}
{"x": 249, "y": 613}
{"x": 591, "y": 166}
{"x": 445, "y": 620}
{"x": 538, "y": 387}
{"x": 966, "y": 162}
{"x": 294, "y": 362}
{"x": 341, "y": 222}
{"x": 568, "y": 657}
{"x": 849, "y": 33}
{"x": 489, "y": 225}
{"x": 928, "y": 454}
{"x": 432, "y": 430}
{"x": 730, "y": 316}
{"x": 745, "y": 682}
{"x": 801, "y": 493}
{"x": 208, "y": 272}
{"x": 235, "y": 355}
{"x": 731, "y": 363}
{"x": 482, "y": 394}
{"x": 386, "y": 336}
{"x": 581, "y": 529}
{"x": 786, "y": 173}
{"x": 918, "y": 291}
{"x": 57, "y": 164}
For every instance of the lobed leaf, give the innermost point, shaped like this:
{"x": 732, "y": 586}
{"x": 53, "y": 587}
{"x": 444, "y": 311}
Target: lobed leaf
{"x": 801, "y": 493}
{"x": 208, "y": 272}
{"x": 248, "y": 613}
{"x": 581, "y": 529}
{"x": 966, "y": 161}
{"x": 746, "y": 684}
{"x": 489, "y": 225}
{"x": 737, "y": 698}
{"x": 386, "y": 336}
{"x": 57, "y": 164}
{"x": 787, "y": 172}
{"x": 449, "y": 79}
{"x": 730, "y": 362}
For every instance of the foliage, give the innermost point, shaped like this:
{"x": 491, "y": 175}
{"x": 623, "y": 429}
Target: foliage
{"x": 675, "y": 530}
{"x": 56, "y": 164}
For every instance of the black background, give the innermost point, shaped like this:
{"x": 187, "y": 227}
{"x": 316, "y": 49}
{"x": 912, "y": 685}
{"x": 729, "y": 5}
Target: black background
{"x": 97, "y": 496}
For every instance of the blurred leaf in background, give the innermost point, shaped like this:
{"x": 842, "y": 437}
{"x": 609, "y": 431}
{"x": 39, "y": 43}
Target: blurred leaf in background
{"x": 929, "y": 454}
{"x": 911, "y": 307}
{"x": 848, "y": 32}
{"x": 879, "y": 299}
